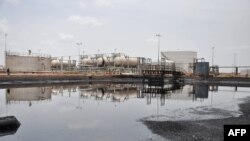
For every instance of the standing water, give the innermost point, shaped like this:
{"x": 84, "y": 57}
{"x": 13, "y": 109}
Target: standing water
{"x": 111, "y": 112}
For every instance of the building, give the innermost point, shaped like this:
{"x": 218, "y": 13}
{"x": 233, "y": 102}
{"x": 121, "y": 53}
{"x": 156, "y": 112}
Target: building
{"x": 182, "y": 59}
{"x": 27, "y": 62}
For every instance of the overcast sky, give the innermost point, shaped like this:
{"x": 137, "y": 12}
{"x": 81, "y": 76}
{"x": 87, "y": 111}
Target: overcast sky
{"x": 54, "y": 26}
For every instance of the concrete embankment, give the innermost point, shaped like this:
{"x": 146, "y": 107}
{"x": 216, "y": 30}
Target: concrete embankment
{"x": 64, "y": 78}
{"x": 56, "y": 78}
{"x": 222, "y": 81}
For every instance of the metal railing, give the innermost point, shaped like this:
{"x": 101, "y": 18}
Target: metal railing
{"x": 8, "y": 53}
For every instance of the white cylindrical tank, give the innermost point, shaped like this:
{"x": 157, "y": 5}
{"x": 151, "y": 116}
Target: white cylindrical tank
{"x": 65, "y": 63}
{"x": 126, "y": 61}
{"x": 55, "y": 63}
{"x": 120, "y": 60}
{"x": 108, "y": 61}
{"x": 87, "y": 61}
{"x": 99, "y": 61}
{"x": 132, "y": 62}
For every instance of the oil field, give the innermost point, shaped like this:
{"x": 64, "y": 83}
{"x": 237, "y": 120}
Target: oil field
{"x": 23, "y": 68}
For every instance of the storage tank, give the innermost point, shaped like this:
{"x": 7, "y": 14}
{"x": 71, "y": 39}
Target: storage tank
{"x": 132, "y": 61}
{"x": 87, "y": 61}
{"x": 99, "y": 61}
{"x": 182, "y": 59}
{"x": 27, "y": 62}
{"x": 65, "y": 63}
{"x": 202, "y": 69}
{"x": 55, "y": 63}
{"x": 169, "y": 64}
{"x": 120, "y": 60}
{"x": 126, "y": 61}
{"x": 108, "y": 61}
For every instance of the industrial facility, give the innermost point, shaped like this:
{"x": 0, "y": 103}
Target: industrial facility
{"x": 112, "y": 63}
{"x": 185, "y": 62}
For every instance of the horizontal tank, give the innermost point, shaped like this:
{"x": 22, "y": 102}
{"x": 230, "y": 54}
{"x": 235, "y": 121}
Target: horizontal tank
{"x": 118, "y": 60}
{"x": 108, "y": 61}
{"x": 87, "y": 61}
{"x": 65, "y": 63}
{"x": 55, "y": 63}
{"x": 126, "y": 61}
{"x": 133, "y": 62}
{"x": 99, "y": 61}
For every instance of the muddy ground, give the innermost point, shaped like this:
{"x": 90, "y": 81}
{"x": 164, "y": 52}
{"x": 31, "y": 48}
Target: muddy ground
{"x": 203, "y": 130}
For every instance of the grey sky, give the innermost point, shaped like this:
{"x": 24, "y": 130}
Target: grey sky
{"x": 54, "y": 26}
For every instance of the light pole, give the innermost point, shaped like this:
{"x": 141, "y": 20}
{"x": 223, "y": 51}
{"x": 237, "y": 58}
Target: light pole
{"x": 235, "y": 62}
{"x": 158, "y": 36}
{"x": 114, "y": 57}
{"x": 212, "y": 56}
{"x": 79, "y": 49}
{"x": 5, "y": 48}
{"x": 5, "y": 43}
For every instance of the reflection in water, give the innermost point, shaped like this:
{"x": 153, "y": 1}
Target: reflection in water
{"x": 8, "y": 125}
{"x": 111, "y": 92}
{"x": 14, "y": 95}
{"x": 200, "y": 91}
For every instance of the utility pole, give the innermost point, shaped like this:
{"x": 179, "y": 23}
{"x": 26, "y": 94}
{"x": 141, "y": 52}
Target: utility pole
{"x": 235, "y": 69}
{"x": 159, "y": 36}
